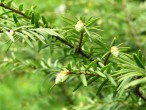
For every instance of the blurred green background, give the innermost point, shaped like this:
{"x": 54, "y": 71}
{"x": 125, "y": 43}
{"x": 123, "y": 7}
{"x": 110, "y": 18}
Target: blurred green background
{"x": 28, "y": 88}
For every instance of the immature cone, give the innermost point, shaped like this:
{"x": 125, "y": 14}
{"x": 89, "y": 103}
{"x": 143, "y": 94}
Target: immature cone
{"x": 79, "y": 26}
{"x": 62, "y": 76}
{"x": 115, "y": 51}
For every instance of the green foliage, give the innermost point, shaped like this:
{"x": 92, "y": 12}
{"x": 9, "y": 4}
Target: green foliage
{"x": 101, "y": 71}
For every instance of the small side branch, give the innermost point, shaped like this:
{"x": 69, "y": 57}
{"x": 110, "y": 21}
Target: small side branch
{"x": 71, "y": 46}
{"x": 81, "y": 40}
{"x": 14, "y": 10}
{"x": 139, "y": 93}
{"x": 63, "y": 41}
{"x": 79, "y": 49}
{"x": 107, "y": 57}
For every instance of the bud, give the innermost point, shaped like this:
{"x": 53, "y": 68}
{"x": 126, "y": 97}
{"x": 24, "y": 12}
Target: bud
{"x": 11, "y": 32}
{"x": 62, "y": 76}
{"x": 79, "y": 26}
{"x": 114, "y": 51}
